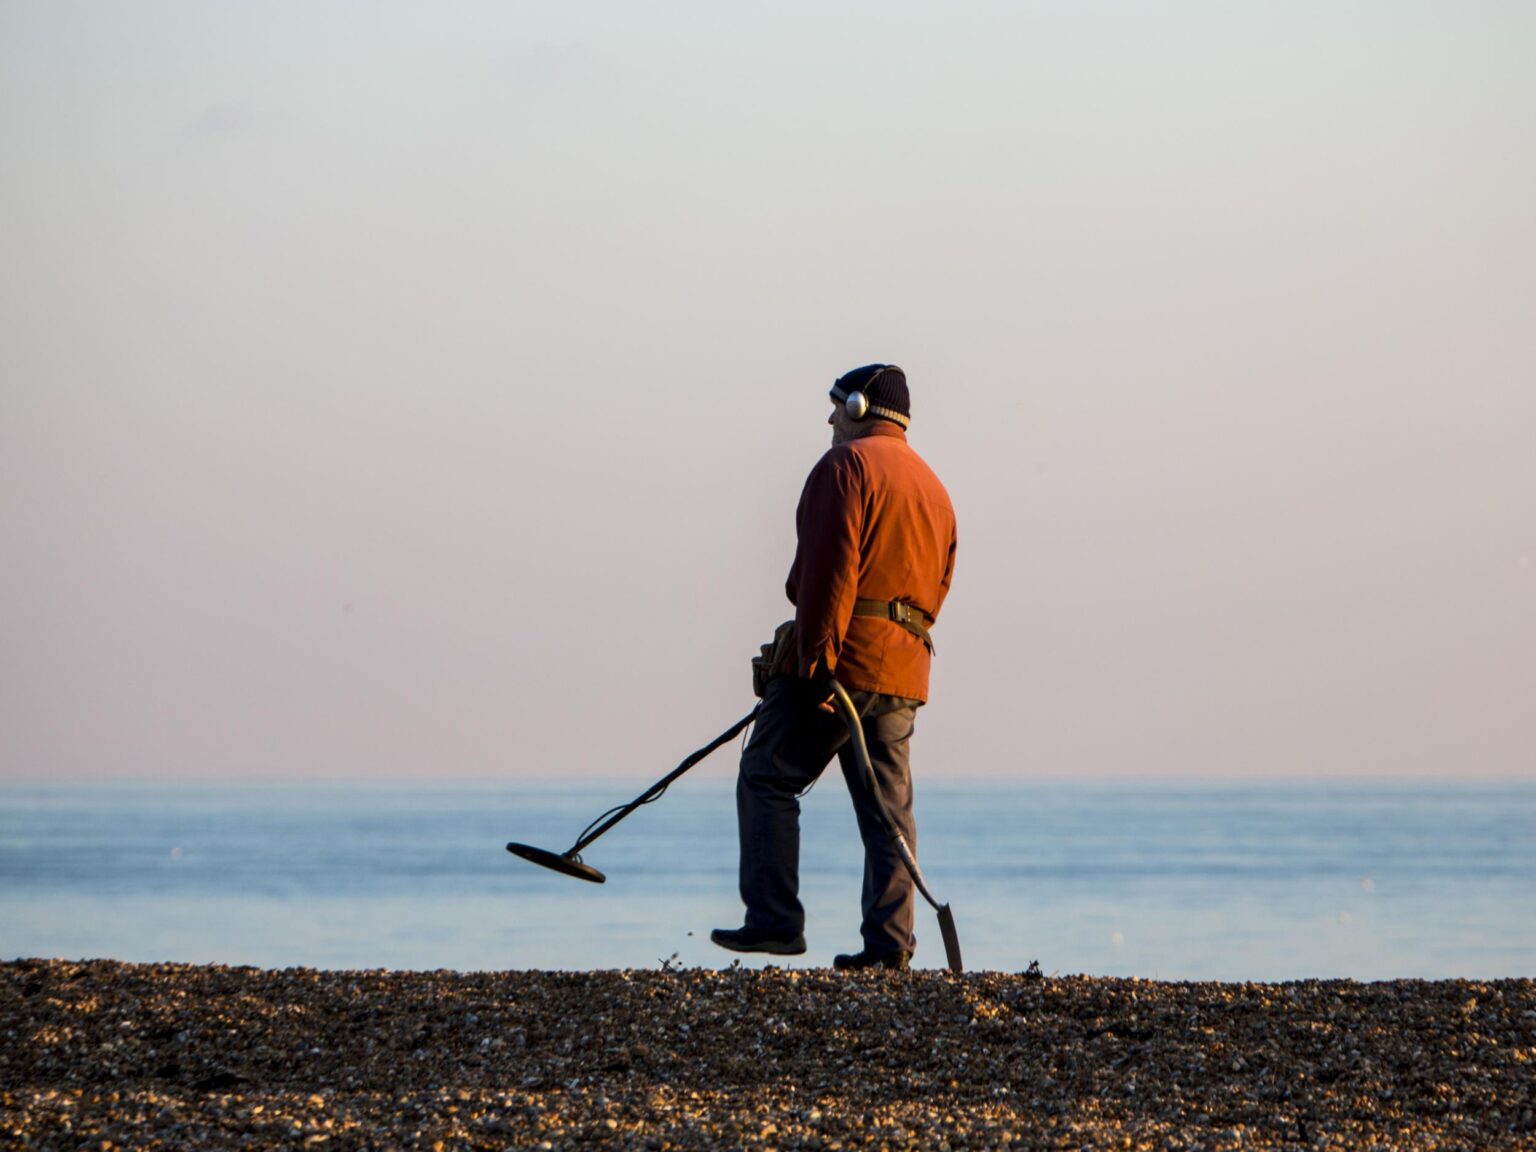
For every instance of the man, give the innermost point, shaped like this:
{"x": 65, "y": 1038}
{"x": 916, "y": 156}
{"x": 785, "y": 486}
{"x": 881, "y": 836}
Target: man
{"x": 876, "y": 552}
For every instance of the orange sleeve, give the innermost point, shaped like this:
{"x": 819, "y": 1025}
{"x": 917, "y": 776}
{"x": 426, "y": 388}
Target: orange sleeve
{"x": 824, "y": 579}
{"x": 949, "y": 571}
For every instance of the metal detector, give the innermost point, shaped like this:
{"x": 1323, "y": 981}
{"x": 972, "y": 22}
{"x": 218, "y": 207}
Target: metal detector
{"x": 861, "y": 753}
{"x": 570, "y": 862}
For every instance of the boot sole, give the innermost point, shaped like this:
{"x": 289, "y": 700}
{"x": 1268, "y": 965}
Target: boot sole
{"x": 770, "y": 947}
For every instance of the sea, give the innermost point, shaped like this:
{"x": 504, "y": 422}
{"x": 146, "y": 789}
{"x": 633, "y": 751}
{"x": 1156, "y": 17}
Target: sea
{"x": 1169, "y": 881}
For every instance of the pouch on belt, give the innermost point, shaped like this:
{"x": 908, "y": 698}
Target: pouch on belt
{"x": 777, "y": 658}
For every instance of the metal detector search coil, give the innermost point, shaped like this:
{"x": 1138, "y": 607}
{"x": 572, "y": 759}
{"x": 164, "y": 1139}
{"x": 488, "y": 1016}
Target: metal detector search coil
{"x": 570, "y": 865}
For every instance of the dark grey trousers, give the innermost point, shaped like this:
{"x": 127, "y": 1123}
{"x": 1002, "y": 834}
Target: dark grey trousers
{"x": 792, "y": 742}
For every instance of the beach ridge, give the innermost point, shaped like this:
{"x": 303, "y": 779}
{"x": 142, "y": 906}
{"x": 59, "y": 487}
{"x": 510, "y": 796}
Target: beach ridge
{"x": 104, "y": 1054}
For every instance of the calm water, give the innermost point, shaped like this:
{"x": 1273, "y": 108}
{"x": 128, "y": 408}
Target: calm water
{"x": 1169, "y": 881}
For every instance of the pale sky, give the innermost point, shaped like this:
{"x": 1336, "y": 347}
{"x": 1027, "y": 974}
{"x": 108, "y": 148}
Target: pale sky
{"x": 392, "y": 391}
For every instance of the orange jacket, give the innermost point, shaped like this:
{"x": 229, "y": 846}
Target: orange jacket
{"x": 873, "y": 523}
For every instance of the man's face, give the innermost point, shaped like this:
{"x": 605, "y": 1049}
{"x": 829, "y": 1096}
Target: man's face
{"x": 844, "y": 426}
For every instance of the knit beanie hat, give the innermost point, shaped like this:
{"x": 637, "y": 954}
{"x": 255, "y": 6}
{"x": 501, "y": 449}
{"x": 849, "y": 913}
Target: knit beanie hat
{"x": 884, "y": 386}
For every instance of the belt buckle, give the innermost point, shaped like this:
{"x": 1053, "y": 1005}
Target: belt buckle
{"x": 899, "y": 612}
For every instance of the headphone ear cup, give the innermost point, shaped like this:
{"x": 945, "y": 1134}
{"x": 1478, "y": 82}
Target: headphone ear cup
{"x": 857, "y": 405}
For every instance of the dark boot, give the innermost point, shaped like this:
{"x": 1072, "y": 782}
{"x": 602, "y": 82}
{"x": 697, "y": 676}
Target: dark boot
{"x": 754, "y": 940}
{"x": 894, "y": 961}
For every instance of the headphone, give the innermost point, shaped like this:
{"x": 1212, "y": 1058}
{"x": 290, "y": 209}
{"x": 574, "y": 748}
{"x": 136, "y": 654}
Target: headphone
{"x": 857, "y": 405}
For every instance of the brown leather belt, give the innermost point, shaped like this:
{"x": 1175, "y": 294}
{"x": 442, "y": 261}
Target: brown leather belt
{"x": 898, "y": 612}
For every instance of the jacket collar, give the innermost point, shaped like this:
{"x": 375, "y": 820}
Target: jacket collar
{"x": 886, "y": 428}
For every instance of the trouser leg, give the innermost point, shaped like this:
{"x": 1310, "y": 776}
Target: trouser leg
{"x": 792, "y": 741}
{"x": 889, "y": 896}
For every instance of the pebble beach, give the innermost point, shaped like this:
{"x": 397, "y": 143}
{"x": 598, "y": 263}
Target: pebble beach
{"x": 106, "y": 1055}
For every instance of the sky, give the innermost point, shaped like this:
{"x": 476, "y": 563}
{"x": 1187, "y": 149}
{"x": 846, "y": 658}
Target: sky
{"x": 411, "y": 392}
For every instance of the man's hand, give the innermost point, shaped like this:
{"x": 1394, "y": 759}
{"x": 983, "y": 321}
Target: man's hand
{"x": 822, "y": 680}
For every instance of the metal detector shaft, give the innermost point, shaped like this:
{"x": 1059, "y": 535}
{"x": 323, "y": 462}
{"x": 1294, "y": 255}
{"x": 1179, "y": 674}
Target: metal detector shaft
{"x": 570, "y": 863}
{"x": 660, "y": 786}
{"x": 861, "y": 753}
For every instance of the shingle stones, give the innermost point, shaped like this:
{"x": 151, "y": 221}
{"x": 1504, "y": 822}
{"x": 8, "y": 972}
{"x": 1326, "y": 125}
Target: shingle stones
{"x": 105, "y": 1055}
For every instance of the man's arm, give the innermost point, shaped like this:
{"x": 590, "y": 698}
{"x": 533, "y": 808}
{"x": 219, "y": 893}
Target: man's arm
{"x": 949, "y": 570}
{"x": 824, "y": 581}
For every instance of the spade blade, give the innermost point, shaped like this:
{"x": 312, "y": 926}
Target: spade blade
{"x": 951, "y": 939}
